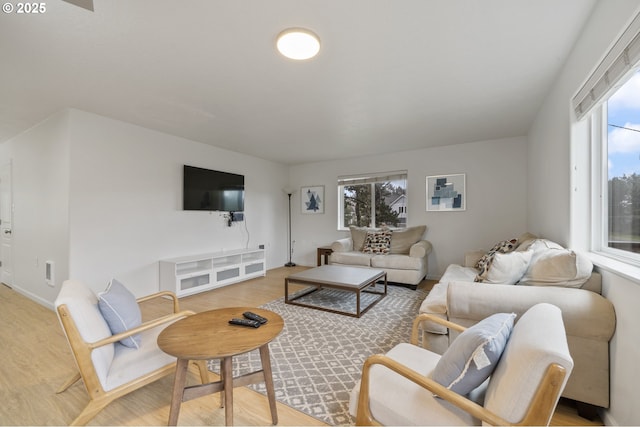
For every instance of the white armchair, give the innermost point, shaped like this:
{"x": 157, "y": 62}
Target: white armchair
{"x": 108, "y": 369}
{"x": 524, "y": 388}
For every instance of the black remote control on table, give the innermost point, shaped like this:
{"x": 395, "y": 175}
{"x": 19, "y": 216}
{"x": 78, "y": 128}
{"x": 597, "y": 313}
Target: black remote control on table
{"x": 252, "y": 316}
{"x": 245, "y": 322}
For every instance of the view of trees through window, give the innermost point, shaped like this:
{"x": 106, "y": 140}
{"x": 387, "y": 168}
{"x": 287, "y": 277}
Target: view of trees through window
{"x": 375, "y": 204}
{"x": 623, "y": 150}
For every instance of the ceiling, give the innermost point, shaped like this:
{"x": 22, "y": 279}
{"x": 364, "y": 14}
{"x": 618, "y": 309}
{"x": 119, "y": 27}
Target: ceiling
{"x": 392, "y": 75}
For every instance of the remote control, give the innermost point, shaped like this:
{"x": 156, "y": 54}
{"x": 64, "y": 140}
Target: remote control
{"x": 245, "y": 322}
{"x": 252, "y": 316}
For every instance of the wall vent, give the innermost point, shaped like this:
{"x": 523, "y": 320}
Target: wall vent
{"x": 49, "y": 276}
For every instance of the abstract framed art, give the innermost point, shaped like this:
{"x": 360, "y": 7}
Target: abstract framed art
{"x": 312, "y": 199}
{"x": 446, "y": 192}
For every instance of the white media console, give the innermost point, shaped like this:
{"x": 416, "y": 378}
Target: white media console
{"x": 188, "y": 275}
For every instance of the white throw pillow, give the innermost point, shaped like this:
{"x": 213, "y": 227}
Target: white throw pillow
{"x": 554, "y": 265}
{"x": 507, "y": 269}
{"x": 558, "y": 267}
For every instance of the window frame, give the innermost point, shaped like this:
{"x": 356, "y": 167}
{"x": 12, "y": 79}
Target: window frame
{"x": 600, "y": 181}
{"x": 372, "y": 179}
{"x": 590, "y": 103}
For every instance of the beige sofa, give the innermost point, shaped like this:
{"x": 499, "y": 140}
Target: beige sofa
{"x": 553, "y": 275}
{"x": 402, "y": 253}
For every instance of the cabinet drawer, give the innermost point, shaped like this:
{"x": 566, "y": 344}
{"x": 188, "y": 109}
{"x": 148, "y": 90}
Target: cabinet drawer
{"x": 255, "y": 267}
{"x": 194, "y": 281}
{"x": 228, "y": 273}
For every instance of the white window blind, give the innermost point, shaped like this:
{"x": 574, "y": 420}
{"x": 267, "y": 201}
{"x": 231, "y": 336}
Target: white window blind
{"x": 621, "y": 59}
{"x": 372, "y": 178}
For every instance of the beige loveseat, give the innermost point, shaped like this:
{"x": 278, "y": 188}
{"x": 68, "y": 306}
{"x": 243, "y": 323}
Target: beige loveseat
{"x": 401, "y": 253}
{"x": 549, "y": 273}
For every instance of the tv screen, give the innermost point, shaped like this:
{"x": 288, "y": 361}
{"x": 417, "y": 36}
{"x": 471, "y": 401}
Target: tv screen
{"x": 210, "y": 190}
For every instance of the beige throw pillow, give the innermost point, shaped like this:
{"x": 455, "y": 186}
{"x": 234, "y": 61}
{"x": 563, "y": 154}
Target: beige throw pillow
{"x": 553, "y": 265}
{"x": 402, "y": 240}
{"x": 358, "y": 235}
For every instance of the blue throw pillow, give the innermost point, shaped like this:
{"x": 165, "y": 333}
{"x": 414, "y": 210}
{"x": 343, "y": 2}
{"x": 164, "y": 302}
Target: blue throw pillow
{"x": 474, "y": 354}
{"x": 121, "y": 311}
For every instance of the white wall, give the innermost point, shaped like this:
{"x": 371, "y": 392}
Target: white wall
{"x": 40, "y": 164}
{"x": 103, "y": 199}
{"x": 126, "y": 203}
{"x": 558, "y": 163}
{"x": 496, "y": 197}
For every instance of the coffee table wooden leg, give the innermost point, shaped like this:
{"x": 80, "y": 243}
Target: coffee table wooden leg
{"x": 178, "y": 389}
{"x": 268, "y": 382}
{"x": 227, "y": 379}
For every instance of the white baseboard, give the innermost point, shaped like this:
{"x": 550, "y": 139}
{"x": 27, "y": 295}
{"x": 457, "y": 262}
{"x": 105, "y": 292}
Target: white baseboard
{"x": 607, "y": 419}
{"x": 33, "y": 297}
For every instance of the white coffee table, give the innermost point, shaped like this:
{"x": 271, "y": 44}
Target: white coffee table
{"x": 350, "y": 279}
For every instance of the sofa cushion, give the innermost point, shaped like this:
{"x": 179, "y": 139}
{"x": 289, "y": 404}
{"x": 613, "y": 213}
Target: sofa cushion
{"x": 397, "y": 262}
{"x": 351, "y": 258}
{"x": 401, "y": 240}
{"x": 506, "y": 269}
{"x": 378, "y": 242}
{"x": 538, "y": 246}
{"x": 474, "y": 354}
{"x": 121, "y": 311}
{"x": 553, "y": 265}
{"x": 129, "y": 363}
{"x": 358, "y": 236}
{"x": 559, "y": 268}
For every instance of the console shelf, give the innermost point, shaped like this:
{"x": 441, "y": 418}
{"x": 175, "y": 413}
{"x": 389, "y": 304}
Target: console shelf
{"x": 189, "y": 275}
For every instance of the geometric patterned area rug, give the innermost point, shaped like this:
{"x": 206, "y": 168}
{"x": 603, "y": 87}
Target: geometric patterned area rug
{"x": 318, "y": 357}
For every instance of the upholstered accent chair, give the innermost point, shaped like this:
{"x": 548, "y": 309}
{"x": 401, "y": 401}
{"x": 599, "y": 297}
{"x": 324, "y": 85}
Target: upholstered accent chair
{"x": 523, "y": 386}
{"x": 108, "y": 368}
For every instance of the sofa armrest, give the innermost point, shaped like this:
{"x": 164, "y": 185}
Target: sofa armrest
{"x": 586, "y": 314}
{"x": 420, "y": 249}
{"x": 471, "y": 258}
{"x": 342, "y": 245}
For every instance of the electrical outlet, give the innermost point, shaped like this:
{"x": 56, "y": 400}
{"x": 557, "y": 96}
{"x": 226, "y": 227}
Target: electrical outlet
{"x": 260, "y": 246}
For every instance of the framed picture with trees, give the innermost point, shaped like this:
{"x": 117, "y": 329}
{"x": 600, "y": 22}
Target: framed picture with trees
{"x": 312, "y": 199}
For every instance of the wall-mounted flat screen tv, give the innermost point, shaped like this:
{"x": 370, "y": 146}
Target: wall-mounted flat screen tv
{"x": 210, "y": 190}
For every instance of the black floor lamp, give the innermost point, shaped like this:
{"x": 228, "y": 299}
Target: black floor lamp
{"x": 289, "y": 193}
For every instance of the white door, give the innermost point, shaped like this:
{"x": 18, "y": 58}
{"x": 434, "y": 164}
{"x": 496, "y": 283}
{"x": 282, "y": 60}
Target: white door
{"x": 6, "y": 220}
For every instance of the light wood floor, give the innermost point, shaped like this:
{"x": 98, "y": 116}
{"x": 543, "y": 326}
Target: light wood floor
{"x": 36, "y": 360}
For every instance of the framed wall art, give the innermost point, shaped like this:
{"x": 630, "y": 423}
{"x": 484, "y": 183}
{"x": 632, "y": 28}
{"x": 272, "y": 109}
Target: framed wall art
{"x": 312, "y": 199}
{"x": 446, "y": 192}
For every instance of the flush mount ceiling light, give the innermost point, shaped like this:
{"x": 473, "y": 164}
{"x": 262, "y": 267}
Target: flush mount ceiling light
{"x": 298, "y": 43}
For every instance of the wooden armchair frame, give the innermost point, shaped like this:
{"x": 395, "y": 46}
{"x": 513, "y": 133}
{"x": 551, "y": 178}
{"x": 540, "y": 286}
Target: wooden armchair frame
{"x": 99, "y": 398}
{"x": 539, "y": 412}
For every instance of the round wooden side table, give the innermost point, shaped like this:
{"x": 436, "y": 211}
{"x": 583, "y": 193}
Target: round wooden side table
{"x": 208, "y": 335}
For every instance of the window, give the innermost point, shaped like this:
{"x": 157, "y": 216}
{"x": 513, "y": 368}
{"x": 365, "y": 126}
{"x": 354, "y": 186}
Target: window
{"x": 373, "y": 200}
{"x": 611, "y": 98}
{"x": 619, "y": 154}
